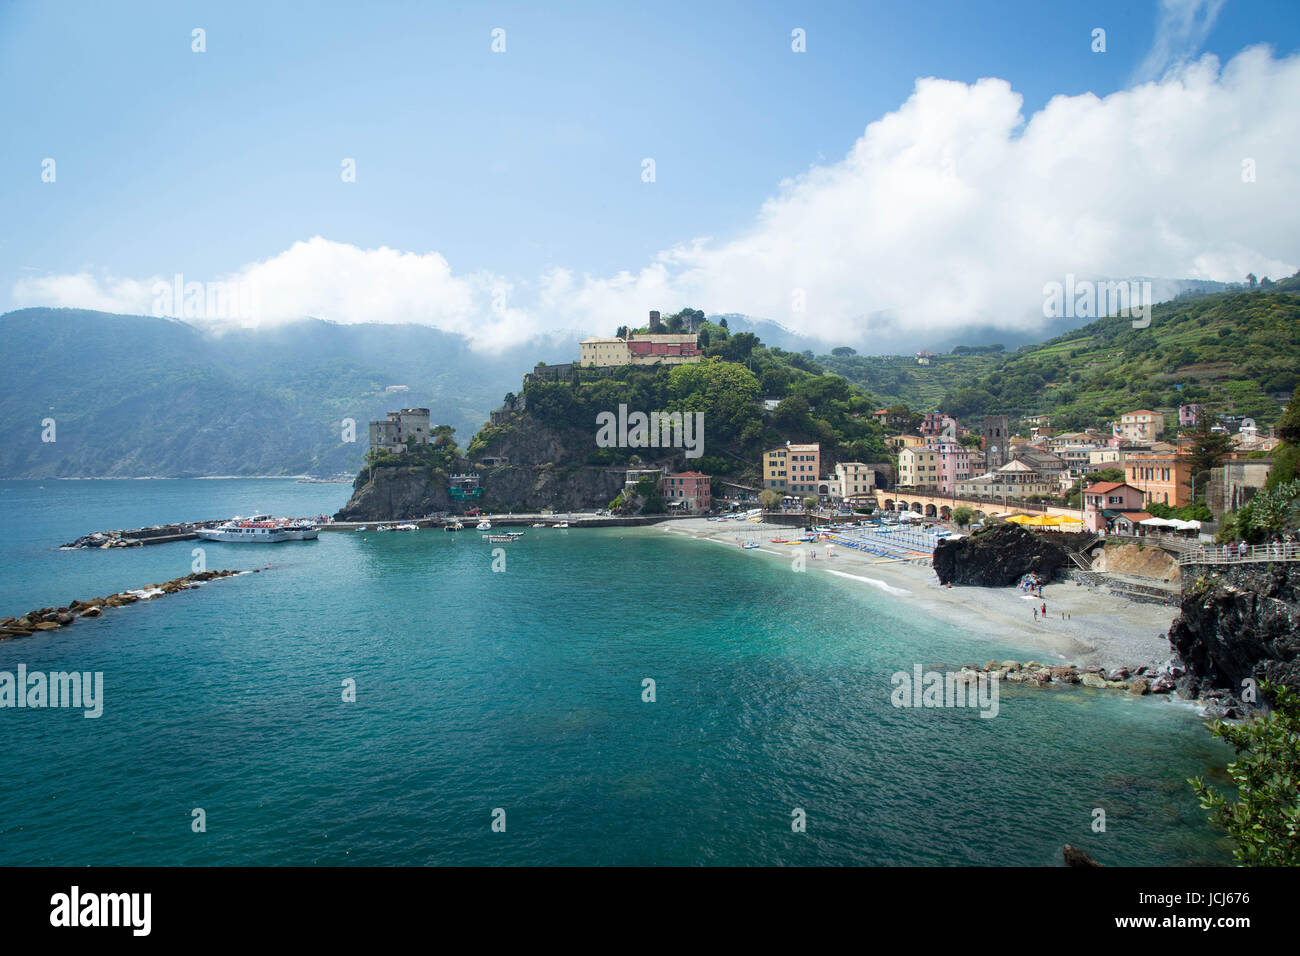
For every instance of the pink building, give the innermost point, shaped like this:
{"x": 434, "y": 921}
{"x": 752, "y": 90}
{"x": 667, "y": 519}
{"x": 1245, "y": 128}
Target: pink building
{"x": 932, "y": 426}
{"x": 1189, "y": 416}
{"x": 1107, "y": 500}
{"x": 687, "y": 490}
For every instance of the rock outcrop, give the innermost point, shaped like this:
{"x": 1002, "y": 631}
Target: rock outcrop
{"x": 1238, "y": 623}
{"x": 998, "y": 556}
{"x": 533, "y": 467}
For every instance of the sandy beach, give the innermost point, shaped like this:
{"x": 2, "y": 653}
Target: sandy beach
{"x": 1098, "y": 628}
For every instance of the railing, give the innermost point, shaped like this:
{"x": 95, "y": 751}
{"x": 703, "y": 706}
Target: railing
{"x": 1251, "y": 554}
{"x": 1169, "y": 542}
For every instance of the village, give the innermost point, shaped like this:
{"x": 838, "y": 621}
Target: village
{"x": 1125, "y": 480}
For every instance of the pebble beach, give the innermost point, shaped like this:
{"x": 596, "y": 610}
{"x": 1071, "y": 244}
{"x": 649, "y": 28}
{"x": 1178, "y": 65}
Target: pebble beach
{"x": 1099, "y": 628}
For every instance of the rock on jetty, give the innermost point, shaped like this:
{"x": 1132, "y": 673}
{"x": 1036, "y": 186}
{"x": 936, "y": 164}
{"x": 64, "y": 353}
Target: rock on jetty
{"x": 53, "y": 618}
{"x": 1139, "y": 680}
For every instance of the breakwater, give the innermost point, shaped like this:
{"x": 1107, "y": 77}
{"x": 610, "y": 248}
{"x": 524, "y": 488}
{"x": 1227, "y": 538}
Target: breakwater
{"x": 53, "y": 618}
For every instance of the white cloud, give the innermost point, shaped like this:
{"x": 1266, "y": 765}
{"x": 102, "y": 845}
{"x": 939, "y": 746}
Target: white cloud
{"x": 1181, "y": 29}
{"x": 949, "y": 212}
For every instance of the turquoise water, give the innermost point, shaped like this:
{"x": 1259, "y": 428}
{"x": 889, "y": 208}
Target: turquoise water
{"x": 522, "y": 690}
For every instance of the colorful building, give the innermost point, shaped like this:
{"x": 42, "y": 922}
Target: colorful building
{"x": 937, "y": 466}
{"x": 687, "y": 491}
{"x": 793, "y": 469}
{"x": 1189, "y": 415}
{"x": 1015, "y": 479}
{"x": 854, "y": 479}
{"x": 1141, "y": 425}
{"x": 639, "y": 349}
{"x": 1164, "y": 478}
{"x": 1107, "y": 500}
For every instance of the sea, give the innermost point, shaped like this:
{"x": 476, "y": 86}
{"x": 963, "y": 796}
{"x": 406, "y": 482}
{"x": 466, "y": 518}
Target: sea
{"x": 581, "y": 697}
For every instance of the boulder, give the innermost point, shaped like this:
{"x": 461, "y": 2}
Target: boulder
{"x": 997, "y": 556}
{"x": 92, "y": 611}
{"x": 1093, "y": 680}
{"x": 1138, "y": 686}
{"x": 1077, "y": 858}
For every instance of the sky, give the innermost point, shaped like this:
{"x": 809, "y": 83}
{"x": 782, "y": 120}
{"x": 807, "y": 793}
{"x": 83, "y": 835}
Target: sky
{"x": 499, "y": 170}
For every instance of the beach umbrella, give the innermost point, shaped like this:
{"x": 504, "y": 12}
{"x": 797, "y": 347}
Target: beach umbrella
{"x": 1021, "y": 519}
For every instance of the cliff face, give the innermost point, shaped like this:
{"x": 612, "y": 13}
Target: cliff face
{"x": 1238, "y": 622}
{"x": 536, "y": 468}
{"x": 997, "y": 556}
{"x": 395, "y": 494}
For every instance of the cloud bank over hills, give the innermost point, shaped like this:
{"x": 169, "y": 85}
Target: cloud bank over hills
{"x": 949, "y": 213}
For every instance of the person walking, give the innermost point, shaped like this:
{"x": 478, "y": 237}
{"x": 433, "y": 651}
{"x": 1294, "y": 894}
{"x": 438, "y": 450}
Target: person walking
{"x": 1035, "y": 615}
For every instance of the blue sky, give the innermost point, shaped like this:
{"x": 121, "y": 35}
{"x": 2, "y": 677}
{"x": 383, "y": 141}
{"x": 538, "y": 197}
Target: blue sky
{"x": 503, "y": 164}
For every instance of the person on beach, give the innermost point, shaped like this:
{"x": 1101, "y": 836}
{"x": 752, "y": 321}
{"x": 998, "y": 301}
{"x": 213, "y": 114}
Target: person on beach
{"x": 1044, "y": 609}
{"x": 1035, "y": 615}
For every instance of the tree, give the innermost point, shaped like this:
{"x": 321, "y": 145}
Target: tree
{"x": 769, "y": 499}
{"x": 1288, "y": 426}
{"x": 809, "y": 503}
{"x": 963, "y": 515}
{"x": 723, "y": 322}
{"x": 1207, "y": 447}
{"x": 1264, "y": 821}
{"x": 843, "y": 350}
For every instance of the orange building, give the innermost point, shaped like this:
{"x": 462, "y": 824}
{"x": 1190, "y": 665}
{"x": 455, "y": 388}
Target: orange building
{"x": 1163, "y": 479}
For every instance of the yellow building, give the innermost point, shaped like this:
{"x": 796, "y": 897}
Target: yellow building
{"x": 899, "y": 442}
{"x": 1141, "y": 425}
{"x": 792, "y": 469}
{"x": 666, "y": 349}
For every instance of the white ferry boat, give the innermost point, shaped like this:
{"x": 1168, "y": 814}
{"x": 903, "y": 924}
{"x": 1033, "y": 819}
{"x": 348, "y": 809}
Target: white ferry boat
{"x": 259, "y": 529}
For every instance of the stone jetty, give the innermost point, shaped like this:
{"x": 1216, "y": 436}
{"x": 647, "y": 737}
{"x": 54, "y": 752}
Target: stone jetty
{"x": 1137, "y": 680}
{"x": 53, "y": 618}
{"x": 137, "y": 537}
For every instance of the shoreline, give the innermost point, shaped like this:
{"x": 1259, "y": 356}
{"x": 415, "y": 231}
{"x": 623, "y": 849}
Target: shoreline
{"x": 1100, "y": 628}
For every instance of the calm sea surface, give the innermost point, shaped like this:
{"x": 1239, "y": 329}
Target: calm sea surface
{"x": 522, "y": 690}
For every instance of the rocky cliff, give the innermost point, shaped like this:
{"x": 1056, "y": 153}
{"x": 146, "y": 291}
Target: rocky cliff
{"x": 533, "y": 467}
{"x": 1238, "y": 622}
{"x": 998, "y": 556}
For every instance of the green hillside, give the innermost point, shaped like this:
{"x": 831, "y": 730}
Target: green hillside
{"x": 737, "y": 373}
{"x": 1236, "y": 352}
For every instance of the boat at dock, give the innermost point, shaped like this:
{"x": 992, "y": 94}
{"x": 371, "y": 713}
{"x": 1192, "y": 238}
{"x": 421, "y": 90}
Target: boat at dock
{"x": 483, "y": 525}
{"x": 260, "y": 529}
{"x": 453, "y": 526}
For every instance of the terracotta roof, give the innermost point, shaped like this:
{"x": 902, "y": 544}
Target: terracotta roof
{"x": 1102, "y": 487}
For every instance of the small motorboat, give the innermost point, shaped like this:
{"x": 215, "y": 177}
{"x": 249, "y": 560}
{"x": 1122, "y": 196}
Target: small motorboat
{"x": 383, "y": 527}
{"x": 562, "y": 524}
{"x": 483, "y": 525}
{"x": 406, "y": 527}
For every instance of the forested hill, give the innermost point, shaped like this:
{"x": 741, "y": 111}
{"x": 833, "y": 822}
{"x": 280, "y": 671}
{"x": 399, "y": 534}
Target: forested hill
{"x": 728, "y": 386}
{"x": 1237, "y": 352}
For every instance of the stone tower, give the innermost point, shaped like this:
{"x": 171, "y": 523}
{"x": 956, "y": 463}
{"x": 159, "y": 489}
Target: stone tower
{"x": 997, "y": 432}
